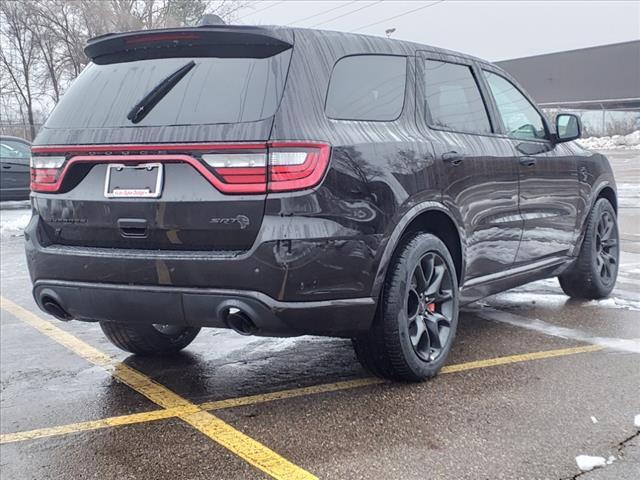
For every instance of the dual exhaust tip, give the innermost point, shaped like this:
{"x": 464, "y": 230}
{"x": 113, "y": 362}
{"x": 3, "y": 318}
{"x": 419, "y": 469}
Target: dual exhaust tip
{"x": 240, "y": 321}
{"x": 53, "y": 307}
{"x": 235, "y": 318}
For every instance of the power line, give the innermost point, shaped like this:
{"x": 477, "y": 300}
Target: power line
{"x": 262, "y": 9}
{"x": 345, "y": 14}
{"x": 342, "y": 5}
{"x": 399, "y": 15}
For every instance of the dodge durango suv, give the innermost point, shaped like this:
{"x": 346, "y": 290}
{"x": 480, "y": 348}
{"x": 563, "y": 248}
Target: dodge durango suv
{"x": 283, "y": 181}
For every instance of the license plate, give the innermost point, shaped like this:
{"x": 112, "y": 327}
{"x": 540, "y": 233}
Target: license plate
{"x": 133, "y": 181}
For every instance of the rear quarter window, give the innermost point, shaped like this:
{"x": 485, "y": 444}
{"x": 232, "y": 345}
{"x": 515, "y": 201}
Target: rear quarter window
{"x": 367, "y": 88}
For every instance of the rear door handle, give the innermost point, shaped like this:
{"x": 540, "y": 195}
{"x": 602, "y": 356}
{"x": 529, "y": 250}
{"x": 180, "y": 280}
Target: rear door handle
{"x": 527, "y": 161}
{"x": 6, "y": 167}
{"x": 454, "y": 158}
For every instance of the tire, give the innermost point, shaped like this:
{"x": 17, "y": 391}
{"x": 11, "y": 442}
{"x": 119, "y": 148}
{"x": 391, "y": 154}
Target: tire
{"x": 593, "y": 275}
{"x": 147, "y": 339}
{"x": 396, "y": 347}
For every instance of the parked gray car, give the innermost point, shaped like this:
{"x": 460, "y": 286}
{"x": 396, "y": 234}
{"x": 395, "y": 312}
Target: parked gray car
{"x": 15, "y": 153}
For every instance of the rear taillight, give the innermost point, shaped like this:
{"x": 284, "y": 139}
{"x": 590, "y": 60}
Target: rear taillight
{"x": 282, "y": 167}
{"x": 238, "y": 171}
{"x": 236, "y": 168}
{"x": 296, "y": 167}
{"x": 45, "y": 172}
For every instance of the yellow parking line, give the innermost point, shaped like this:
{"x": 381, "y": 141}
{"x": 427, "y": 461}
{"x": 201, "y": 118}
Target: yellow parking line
{"x": 177, "y": 411}
{"x": 524, "y": 357}
{"x": 91, "y": 425}
{"x": 291, "y": 393}
{"x": 238, "y": 443}
{"x": 334, "y": 387}
{"x": 279, "y": 395}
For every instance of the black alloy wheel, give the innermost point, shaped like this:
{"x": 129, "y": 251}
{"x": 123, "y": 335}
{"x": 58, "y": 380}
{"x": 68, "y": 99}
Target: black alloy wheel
{"x": 606, "y": 245}
{"x": 430, "y": 306}
{"x": 594, "y": 272}
{"x": 417, "y": 317}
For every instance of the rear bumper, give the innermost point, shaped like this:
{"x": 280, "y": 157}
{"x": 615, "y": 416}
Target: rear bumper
{"x": 294, "y": 270}
{"x": 201, "y": 307}
{"x": 316, "y": 286}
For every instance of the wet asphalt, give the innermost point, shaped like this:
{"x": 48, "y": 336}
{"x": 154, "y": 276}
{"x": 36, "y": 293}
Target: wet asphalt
{"x": 524, "y": 420}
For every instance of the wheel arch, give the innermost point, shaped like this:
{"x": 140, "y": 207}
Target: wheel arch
{"x": 428, "y": 217}
{"x": 608, "y": 193}
{"x": 605, "y": 189}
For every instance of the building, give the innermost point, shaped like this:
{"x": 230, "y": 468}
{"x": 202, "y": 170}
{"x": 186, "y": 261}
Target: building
{"x": 606, "y": 77}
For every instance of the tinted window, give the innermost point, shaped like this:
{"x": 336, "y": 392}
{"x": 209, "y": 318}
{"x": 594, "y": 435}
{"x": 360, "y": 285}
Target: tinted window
{"x": 367, "y": 87}
{"x": 216, "y": 90}
{"x": 453, "y": 98}
{"x": 520, "y": 118}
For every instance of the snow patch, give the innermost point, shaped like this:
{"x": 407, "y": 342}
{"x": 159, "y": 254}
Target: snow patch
{"x": 636, "y": 421}
{"x": 629, "y": 195}
{"x": 587, "y": 463}
{"x": 614, "y": 142}
{"x": 615, "y": 302}
{"x": 554, "y": 298}
{"x": 594, "y": 419}
{"x": 535, "y": 324}
{"x": 13, "y": 222}
{"x": 606, "y": 302}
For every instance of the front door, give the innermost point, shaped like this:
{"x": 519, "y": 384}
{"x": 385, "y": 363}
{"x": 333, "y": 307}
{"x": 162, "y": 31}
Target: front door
{"x": 549, "y": 195}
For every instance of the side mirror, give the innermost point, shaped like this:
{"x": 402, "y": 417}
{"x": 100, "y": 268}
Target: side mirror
{"x": 568, "y": 127}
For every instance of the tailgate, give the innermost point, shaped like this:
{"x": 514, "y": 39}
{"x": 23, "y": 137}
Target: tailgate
{"x": 104, "y": 171}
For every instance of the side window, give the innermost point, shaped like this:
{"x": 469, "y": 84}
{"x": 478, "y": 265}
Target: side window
{"x": 17, "y": 152}
{"x": 367, "y": 87}
{"x": 453, "y": 98}
{"x": 520, "y": 118}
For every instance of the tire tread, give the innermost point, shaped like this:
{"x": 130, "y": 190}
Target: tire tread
{"x": 580, "y": 281}
{"x": 145, "y": 339}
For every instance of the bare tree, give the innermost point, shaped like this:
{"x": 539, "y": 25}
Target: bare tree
{"x": 69, "y": 23}
{"x": 43, "y": 41}
{"x": 19, "y": 56}
{"x": 49, "y": 48}
{"x": 73, "y": 22}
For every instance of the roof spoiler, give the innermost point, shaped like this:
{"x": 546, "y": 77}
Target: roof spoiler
{"x": 208, "y": 41}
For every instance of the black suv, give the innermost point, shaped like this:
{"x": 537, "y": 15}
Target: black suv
{"x": 282, "y": 181}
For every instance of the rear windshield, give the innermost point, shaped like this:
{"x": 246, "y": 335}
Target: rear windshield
{"x": 216, "y": 90}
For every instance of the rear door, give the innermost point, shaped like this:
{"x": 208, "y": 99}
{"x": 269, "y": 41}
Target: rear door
{"x": 480, "y": 172}
{"x": 187, "y": 174}
{"x": 549, "y": 188}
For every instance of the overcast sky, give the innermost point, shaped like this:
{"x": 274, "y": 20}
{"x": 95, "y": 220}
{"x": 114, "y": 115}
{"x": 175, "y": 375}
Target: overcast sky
{"x": 494, "y": 30}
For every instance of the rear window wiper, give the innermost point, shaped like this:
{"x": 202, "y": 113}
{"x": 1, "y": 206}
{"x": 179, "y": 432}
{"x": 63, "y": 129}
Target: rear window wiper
{"x": 151, "y": 99}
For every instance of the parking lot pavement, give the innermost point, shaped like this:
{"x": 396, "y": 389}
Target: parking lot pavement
{"x": 533, "y": 381}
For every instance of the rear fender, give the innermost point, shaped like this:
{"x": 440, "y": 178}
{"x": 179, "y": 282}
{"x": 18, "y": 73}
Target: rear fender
{"x": 394, "y": 239}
